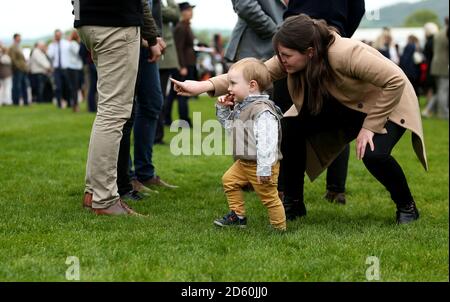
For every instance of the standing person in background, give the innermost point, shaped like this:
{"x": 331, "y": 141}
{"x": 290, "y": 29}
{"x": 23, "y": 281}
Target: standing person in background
{"x": 257, "y": 23}
{"x": 40, "y": 67}
{"x": 385, "y": 44}
{"x": 184, "y": 40}
{"x": 148, "y": 106}
{"x": 5, "y": 77}
{"x": 409, "y": 62}
{"x": 74, "y": 69}
{"x": 439, "y": 69}
{"x": 168, "y": 65}
{"x": 20, "y": 69}
{"x": 111, "y": 32}
{"x": 430, "y": 29}
{"x": 58, "y": 52}
{"x": 345, "y": 16}
{"x": 85, "y": 55}
{"x": 218, "y": 55}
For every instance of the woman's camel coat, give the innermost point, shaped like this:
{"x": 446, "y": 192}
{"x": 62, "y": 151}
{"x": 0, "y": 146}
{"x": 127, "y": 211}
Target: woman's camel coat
{"x": 365, "y": 81}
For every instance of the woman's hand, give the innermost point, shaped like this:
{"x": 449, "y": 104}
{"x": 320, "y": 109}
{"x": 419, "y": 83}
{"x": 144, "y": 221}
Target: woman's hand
{"x": 192, "y": 88}
{"x": 365, "y": 136}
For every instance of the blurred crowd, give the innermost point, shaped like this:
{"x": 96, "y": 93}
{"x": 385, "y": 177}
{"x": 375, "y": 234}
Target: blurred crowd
{"x": 63, "y": 72}
{"x": 426, "y": 65}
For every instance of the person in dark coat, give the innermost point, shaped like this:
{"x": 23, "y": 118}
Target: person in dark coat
{"x": 409, "y": 63}
{"x": 184, "y": 41}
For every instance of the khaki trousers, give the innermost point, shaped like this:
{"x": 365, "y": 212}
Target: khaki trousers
{"x": 242, "y": 173}
{"x": 115, "y": 52}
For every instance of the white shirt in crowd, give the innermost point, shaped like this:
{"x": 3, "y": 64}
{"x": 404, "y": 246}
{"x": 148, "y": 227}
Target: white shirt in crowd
{"x": 393, "y": 55}
{"x": 39, "y": 62}
{"x": 55, "y": 49}
{"x": 5, "y": 83}
{"x": 75, "y": 61}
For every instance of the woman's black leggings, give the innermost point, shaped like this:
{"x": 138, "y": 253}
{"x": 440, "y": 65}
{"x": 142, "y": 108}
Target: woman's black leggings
{"x": 385, "y": 168}
{"x": 379, "y": 162}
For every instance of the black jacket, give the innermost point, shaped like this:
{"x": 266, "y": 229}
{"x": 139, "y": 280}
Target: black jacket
{"x": 114, "y": 13}
{"x": 345, "y": 15}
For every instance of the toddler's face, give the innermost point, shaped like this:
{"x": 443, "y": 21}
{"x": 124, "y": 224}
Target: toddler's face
{"x": 238, "y": 87}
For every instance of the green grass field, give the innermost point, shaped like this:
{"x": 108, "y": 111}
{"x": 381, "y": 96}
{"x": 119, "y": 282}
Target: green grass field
{"x": 42, "y": 163}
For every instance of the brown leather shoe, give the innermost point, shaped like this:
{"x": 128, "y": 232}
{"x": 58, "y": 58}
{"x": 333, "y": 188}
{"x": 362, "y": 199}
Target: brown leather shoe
{"x": 87, "y": 201}
{"x": 129, "y": 209}
{"x": 116, "y": 209}
{"x": 139, "y": 187}
{"x": 157, "y": 181}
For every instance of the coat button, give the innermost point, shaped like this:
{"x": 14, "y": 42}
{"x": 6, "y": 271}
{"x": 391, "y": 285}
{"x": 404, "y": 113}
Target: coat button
{"x": 360, "y": 105}
{"x": 402, "y": 121}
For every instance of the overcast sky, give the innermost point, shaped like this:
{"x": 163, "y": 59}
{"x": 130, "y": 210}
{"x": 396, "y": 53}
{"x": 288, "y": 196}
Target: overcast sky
{"x": 34, "y": 19}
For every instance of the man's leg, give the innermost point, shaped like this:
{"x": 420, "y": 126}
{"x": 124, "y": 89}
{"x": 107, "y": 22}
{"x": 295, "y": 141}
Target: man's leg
{"x": 164, "y": 75}
{"x": 337, "y": 177}
{"x": 148, "y": 107}
{"x": 116, "y": 55}
{"x": 24, "y": 90}
{"x": 92, "y": 103}
{"x": 16, "y": 88}
{"x": 123, "y": 177}
{"x": 57, "y": 76}
{"x": 442, "y": 97}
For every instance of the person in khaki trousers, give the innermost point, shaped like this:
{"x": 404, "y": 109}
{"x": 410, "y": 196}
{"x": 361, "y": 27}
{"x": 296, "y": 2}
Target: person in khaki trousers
{"x": 111, "y": 31}
{"x": 353, "y": 92}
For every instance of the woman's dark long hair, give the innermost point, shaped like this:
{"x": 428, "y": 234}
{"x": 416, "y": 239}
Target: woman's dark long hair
{"x": 300, "y": 33}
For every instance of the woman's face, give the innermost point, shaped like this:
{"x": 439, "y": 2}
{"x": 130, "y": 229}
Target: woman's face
{"x": 292, "y": 60}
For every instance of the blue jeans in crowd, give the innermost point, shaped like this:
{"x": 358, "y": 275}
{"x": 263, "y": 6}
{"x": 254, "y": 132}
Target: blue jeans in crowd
{"x": 19, "y": 88}
{"x": 149, "y": 102}
{"x": 40, "y": 81}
